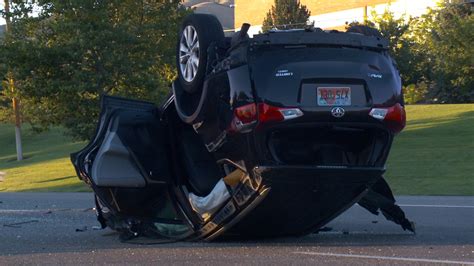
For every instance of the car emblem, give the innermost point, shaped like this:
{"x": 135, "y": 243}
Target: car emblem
{"x": 375, "y": 76}
{"x": 338, "y": 112}
{"x": 283, "y": 73}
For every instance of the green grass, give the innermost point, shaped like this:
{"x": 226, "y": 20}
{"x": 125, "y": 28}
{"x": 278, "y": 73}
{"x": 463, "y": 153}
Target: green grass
{"x": 46, "y": 166}
{"x": 434, "y": 155}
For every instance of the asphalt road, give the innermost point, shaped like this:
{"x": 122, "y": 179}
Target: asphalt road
{"x": 58, "y": 228}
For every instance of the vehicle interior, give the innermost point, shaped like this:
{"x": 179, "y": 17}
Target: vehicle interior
{"x": 201, "y": 171}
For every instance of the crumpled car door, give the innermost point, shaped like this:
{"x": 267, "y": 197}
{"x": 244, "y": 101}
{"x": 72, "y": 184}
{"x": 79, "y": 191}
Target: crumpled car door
{"x": 127, "y": 166}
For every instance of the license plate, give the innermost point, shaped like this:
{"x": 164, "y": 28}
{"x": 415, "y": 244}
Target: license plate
{"x": 334, "y": 96}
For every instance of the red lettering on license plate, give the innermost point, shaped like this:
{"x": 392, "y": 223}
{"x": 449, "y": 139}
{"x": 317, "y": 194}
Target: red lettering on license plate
{"x": 330, "y": 96}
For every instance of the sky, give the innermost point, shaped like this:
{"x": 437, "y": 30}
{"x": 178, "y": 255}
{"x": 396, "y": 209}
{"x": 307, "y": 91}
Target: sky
{"x": 2, "y": 21}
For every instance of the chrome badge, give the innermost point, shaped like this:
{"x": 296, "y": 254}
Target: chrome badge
{"x": 375, "y": 76}
{"x": 338, "y": 112}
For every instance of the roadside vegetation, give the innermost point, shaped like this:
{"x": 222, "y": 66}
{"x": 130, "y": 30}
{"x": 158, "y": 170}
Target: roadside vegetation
{"x": 432, "y": 156}
{"x": 46, "y": 166}
{"x": 73, "y": 51}
{"x": 433, "y": 52}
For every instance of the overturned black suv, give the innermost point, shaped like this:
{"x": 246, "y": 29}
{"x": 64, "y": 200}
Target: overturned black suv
{"x": 273, "y": 135}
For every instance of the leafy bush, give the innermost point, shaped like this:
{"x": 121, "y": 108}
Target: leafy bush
{"x": 415, "y": 93}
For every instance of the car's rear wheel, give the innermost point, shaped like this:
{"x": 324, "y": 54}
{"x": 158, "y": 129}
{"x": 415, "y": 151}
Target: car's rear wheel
{"x": 189, "y": 54}
{"x": 197, "y": 32}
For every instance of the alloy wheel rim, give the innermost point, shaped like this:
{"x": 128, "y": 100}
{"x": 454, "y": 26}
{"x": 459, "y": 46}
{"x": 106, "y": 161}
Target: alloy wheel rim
{"x": 189, "y": 53}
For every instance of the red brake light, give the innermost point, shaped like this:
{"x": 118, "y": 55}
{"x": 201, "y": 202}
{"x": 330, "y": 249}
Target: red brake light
{"x": 268, "y": 113}
{"x": 246, "y": 116}
{"x": 394, "y": 117}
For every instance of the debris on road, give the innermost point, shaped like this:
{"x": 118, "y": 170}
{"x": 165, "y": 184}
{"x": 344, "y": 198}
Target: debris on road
{"x": 82, "y": 229}
{"x": 324, "y": 229}
{"x": 18, "y": 225}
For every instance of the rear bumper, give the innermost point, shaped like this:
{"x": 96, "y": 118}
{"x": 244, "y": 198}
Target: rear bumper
{"x": 318, "y": 175}
{"x": 302, "y": 199}
{"x": 307, "y": 144}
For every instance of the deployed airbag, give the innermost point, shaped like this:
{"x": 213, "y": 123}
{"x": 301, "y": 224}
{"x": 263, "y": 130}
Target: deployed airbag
{"x": 210, "y": 203}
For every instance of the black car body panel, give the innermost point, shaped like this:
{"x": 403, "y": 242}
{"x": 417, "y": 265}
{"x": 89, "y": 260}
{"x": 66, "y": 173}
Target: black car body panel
{"x": 320, "y": 38}
{"x": 261, "y": 115}
{"x": 290, "y": 78}
{"x": 301, "y": 199}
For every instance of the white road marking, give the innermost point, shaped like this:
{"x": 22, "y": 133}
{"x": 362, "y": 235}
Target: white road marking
{"x": 436, "y": 206}
{"x": 339, "y": 232}
{"x": 386, "y": 258}
{"x": 42, "y": 210}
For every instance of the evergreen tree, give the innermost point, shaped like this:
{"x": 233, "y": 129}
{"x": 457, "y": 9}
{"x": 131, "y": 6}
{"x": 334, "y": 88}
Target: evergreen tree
{"x": 286, "y": 14}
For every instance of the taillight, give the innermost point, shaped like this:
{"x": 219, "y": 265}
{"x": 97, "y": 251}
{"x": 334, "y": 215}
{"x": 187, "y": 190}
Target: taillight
{"x": 245, "y": 117}
{"x": 268, "y": 113}
{"x": 246, "y": 114}
{"x": 394, "y": 117}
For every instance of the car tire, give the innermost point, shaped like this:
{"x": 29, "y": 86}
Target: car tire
{"x": 365, "y": 30}
{"x": 197, "y": 32}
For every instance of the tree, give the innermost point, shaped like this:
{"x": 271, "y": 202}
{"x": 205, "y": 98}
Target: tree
{"x": 9, "y": 78}
{"x": 433, "y": 52}
{"x": 445, "y": 36}
{"x": 286, "y": 14}
{"x": 74, "y": 51}
{"x": 397, "y": 32}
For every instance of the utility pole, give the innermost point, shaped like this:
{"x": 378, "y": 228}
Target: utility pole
{"x": 366, "y": 16}
{"x": 11, "y": 84}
